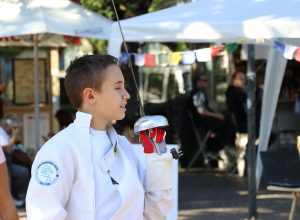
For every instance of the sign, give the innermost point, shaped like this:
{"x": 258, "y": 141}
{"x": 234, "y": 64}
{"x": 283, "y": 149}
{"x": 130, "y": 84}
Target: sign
{"x": 28, "y": 128}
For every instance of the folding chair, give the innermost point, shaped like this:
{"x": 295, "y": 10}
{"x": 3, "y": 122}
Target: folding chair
{"x": 201, "y": 142}
{"x": 281, "y": 169}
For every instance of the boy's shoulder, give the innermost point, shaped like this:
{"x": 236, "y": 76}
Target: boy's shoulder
{"x": 60, "y": 139}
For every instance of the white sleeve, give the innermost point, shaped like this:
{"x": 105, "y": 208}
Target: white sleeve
{"x": 4, "y": 138}
{"x": 158, "y": 197}
{"x": 155, "y": 173}
{"x": 50, "y": 184}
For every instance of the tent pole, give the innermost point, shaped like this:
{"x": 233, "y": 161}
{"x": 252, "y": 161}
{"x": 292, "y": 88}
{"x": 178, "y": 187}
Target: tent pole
{"x": 251, "y": 151}
{"x": 36, "y": 95}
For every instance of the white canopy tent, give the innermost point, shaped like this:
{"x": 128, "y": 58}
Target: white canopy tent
{"x": 212, "y": 21}
{"x": 224, "y": 21}
{"x": 22, "y": 17}
{"x": 62, "y": 17}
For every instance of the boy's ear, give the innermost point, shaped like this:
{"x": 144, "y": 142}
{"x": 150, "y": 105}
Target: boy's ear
{"x": 88, "y": 95}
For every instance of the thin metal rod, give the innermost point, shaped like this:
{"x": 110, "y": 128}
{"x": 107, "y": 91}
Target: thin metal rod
{"x": 142, "y": 113}
{"x": 36, "y": 95}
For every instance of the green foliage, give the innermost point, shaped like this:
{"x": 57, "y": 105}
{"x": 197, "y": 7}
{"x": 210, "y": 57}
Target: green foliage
{"x": 125, "y": 9}
{"x": 102, "y": 7}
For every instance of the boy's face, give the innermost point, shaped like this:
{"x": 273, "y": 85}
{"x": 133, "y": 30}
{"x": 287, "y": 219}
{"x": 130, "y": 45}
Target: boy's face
{"x": 112, "y": 98}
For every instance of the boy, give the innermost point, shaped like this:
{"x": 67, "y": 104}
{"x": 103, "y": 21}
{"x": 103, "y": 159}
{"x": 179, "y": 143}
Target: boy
{"x": 89, "y": 172}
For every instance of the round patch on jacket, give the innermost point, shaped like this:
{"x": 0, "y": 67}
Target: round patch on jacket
{"x": 47, "y": 173}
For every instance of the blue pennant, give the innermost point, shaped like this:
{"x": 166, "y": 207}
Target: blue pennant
{"x": 280, "y": 47}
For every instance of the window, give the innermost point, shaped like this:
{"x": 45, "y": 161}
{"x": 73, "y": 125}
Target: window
{"x": 155, "y": 86}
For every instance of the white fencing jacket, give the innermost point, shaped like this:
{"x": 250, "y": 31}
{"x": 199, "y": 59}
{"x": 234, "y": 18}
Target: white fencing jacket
{"x": 63, "y": 187}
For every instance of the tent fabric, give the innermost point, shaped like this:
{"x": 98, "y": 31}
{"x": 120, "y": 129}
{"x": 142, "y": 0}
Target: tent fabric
{"x": 225, "y": 21}
{"x": 212, "y": 21}
{"x": 273, "y": 78}
{"x": 45, "y": 40}
{"x": 63, "y": 17}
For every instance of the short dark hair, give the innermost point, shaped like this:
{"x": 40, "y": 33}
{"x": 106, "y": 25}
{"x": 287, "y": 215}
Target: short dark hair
{"x": 86, "y": 72}
{"x": 198, "y": 77}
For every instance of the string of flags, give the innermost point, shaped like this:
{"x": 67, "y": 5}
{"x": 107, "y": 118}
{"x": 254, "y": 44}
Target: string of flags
{"x": 290, "y": 52}
{"x": 176, "y": 58}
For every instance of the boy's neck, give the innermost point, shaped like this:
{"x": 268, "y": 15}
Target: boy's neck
{"x": 96, "y": 123}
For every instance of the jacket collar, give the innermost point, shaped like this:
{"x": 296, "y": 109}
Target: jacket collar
{"x": 83, "y": 119}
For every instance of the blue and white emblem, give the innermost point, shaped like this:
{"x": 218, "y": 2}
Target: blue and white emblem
{"x": 47, "y": 173}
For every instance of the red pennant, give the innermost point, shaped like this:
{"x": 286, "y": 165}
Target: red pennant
{"x": 149, "y": 60}
{"x": 297, "y": 55}
{"x": 215, "y": 50}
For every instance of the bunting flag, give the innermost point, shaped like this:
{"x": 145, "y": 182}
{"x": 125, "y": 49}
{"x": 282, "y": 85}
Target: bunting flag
{"x": 174, "y": 58}
{"x": 231, "y": 47}
{"x": 280, "y": 47}
{"x": 289, "y": 51}
{"x": 243, "y": 40}
{"x": 124, "y": 58}
{"x": 188, "y": 57}
{"x": 162, "y": 59}
{"x": 139, "y": 59}
{"x": 203, "y": 55}
{"x": 297, "y": 55}
{"x": 149, "y": 60}
{"x": 216, "y": 49}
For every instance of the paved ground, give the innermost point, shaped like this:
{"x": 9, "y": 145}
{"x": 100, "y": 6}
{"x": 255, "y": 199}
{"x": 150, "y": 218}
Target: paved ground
{"x": 215, "y": 196}
{"x": 212, "y": 196}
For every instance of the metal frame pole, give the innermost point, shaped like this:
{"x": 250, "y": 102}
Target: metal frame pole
{"x": 36, "y": 94}
{"x": 251, "y": 151}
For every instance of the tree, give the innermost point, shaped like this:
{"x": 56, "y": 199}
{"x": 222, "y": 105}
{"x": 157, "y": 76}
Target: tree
{"x": 125, "y": 9}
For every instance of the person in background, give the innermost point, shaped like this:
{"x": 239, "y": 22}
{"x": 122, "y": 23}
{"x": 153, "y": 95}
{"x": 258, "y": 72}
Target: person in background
{"x": 207, "y": 118}
{"x": 2, "y": 89}
{"x": 19, "y": 174}
{"x": 236, "y": 98}
{"x": 64, "y": 118}
{"x": 8, "y": 209}
{"x": 87, "y": 170}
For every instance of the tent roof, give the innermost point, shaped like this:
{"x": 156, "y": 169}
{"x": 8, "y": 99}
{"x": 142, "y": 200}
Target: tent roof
{"x": 22, "y": 17}
{"x": 214, "y": 21}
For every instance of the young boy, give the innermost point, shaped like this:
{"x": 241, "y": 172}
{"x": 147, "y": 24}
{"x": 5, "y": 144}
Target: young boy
{"x": 89, "y": 172}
